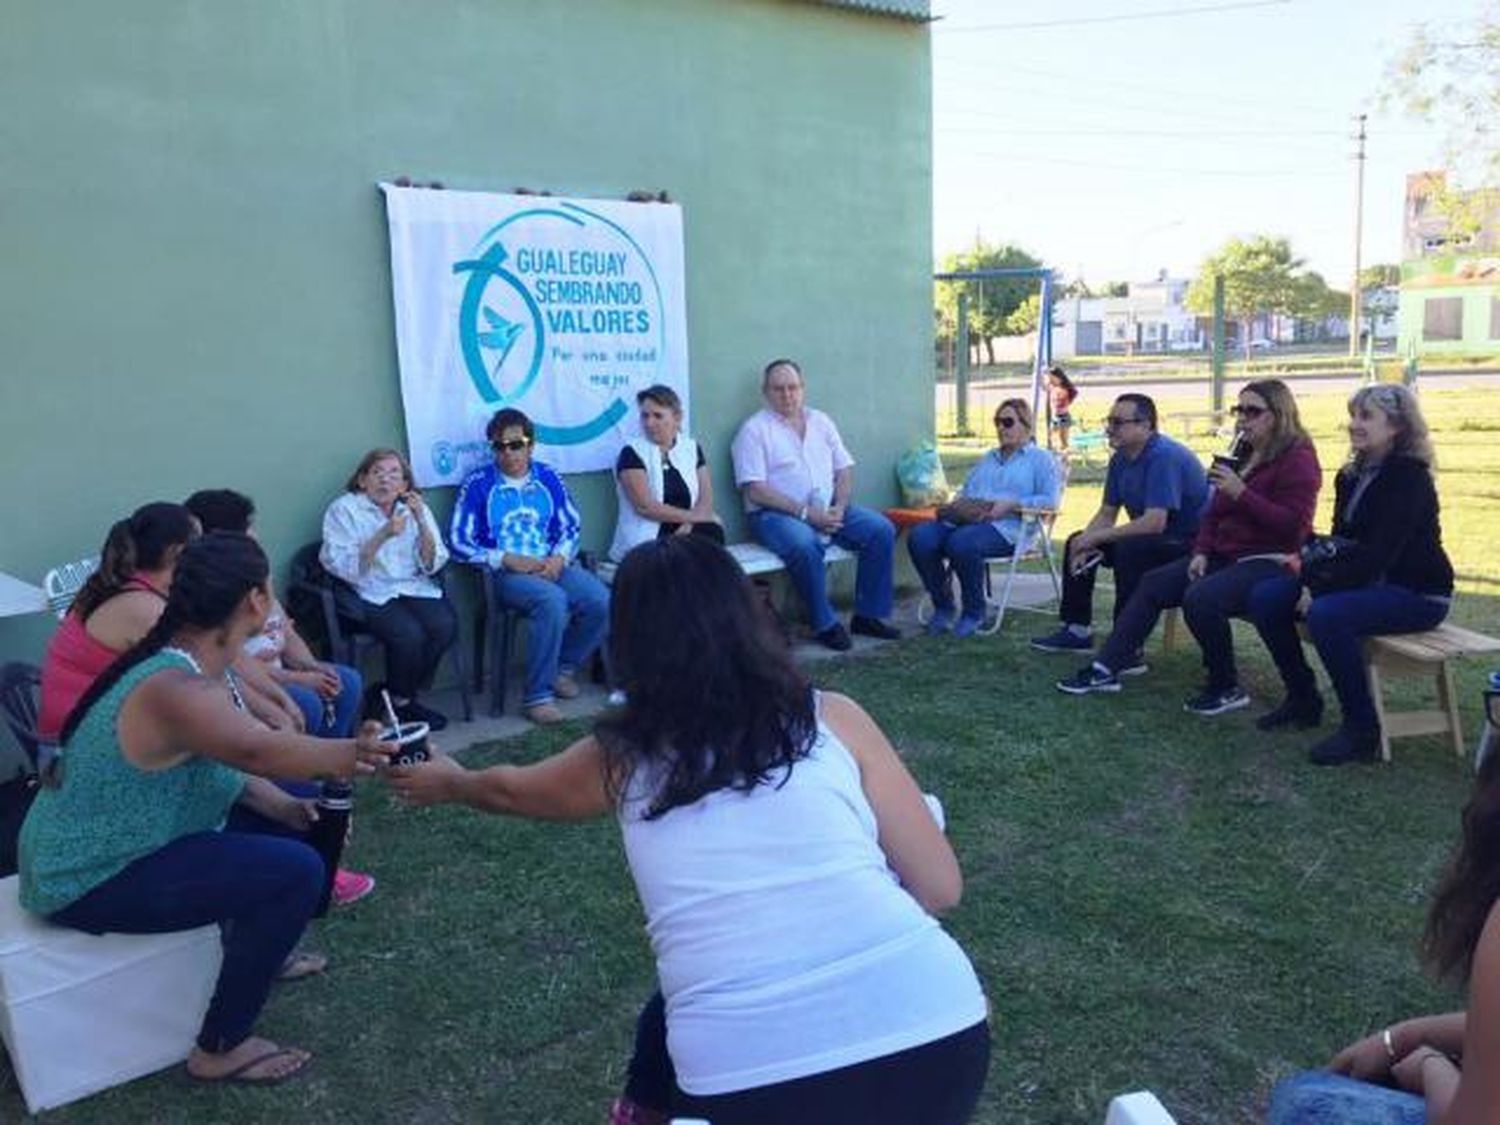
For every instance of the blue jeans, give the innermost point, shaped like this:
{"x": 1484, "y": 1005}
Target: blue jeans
{"x": 1338, "y": 623}
{"x": 345, "y": 705}
{"x": 261, "y": 890}
{"x": 964, "y": 548}
{"x": 868, "y": 534}
{"x": 565, "y": 622}
{"x": 1316, "y": 1097}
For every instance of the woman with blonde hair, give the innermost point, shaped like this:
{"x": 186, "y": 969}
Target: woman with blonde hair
{"x": 1384, "y": 572}
{"x": 984, "y": 520}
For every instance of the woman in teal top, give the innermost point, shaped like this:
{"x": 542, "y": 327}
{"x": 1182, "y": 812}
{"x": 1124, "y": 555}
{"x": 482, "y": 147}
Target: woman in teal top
{"x": 131, "y": 839}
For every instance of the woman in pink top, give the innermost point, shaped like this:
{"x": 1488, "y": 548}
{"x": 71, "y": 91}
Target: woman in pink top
{"x": 116, "y": 607}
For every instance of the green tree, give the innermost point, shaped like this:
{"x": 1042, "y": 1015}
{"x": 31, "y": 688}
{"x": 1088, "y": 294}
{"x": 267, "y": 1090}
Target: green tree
{"x": 1450, "y": 76}
{"x": 1379, "y": 276}
{"x": 1024, "y": 318}
{"x": 1378, "y": 294}
{"x": 1261, "y": 275}
{"x": 991, "y": 301}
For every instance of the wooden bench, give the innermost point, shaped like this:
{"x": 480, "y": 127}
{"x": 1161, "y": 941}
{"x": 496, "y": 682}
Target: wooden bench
{"x": 1422, "y": 654}
{"x": 752, "y": 557}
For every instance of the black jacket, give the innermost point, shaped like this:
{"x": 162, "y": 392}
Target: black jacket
{"x": 1395, "y": 530}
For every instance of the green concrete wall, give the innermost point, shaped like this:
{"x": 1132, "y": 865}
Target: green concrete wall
{"x": 1444, "y": 276}
{"x": 195, "y": 284}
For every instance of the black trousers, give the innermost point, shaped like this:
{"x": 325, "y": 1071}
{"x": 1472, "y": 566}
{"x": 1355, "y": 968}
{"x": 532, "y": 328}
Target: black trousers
{"x": 937, "y": 1083}
{"x": 1129, "y": 558}
{"x": 1207, "y": 606}
{"x": 415, "y": 633}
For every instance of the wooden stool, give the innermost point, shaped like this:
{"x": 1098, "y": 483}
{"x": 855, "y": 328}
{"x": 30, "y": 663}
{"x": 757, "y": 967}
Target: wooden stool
{"x": 1422, "y": 654}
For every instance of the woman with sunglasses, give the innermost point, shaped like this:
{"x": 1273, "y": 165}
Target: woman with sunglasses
{"x": 984, "y": 521}
{"x": 1390, "y": 574}
{"x": 381, "y": 541}
{"x": 1259, "y": 511}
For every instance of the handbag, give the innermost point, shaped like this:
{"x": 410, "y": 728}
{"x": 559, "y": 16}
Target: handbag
{"x": 1326, "y": 561}
{"x": 16, "y": 796}
{"x": 964, "y": 511}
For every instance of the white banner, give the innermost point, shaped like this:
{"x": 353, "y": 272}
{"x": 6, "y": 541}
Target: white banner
{"x": 561, "y": 308}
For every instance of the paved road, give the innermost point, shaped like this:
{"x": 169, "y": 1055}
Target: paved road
{"x": 984, "y": 397}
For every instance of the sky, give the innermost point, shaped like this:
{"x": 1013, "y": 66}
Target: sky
{"x": 1112, "y": 148}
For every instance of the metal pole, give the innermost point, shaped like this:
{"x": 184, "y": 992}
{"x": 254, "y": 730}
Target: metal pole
{"x": 1359, "y": 222}
{"x": 961, "y": 365}
{"x": 1216, "y": 373}
{"x": 1043, "y": 344}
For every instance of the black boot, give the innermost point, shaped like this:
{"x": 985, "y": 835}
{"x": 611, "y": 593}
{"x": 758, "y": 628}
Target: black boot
{"x": 1302, "y": 712}
{"x": 1347, "y": 744}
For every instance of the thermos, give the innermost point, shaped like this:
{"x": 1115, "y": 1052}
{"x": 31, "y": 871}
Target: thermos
{"x": 335, "y": 805}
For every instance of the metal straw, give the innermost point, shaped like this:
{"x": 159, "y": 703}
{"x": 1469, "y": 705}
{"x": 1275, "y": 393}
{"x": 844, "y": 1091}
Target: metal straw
{"x": 390, "y": 712}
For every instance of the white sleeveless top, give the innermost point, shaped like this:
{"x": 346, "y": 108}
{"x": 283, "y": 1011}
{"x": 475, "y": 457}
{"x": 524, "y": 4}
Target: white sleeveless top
{"x": 784, "y": 944}
{"x": 631, "y": 528}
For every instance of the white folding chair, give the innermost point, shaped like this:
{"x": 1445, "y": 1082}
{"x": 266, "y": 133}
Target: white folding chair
{"x": 62, "y": 583}
{"x": 1035, "y": 544}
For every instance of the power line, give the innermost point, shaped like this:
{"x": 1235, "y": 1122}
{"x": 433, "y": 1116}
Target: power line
{"x": 1160, "y": 13}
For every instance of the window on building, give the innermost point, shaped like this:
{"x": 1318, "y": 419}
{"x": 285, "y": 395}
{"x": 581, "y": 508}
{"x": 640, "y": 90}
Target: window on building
{"x": 1443, "y": 318}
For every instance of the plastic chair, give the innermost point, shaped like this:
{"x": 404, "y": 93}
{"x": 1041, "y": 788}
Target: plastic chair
{"x": 20, "y": 684}
{"x": 311, "y": 591}
{"x": 62, "y": 583}
{"x": 495, "y": 635}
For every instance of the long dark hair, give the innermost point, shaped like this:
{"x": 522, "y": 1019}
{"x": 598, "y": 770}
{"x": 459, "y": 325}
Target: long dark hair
{"x": 1471, "y": 883}
{"x": 713, "y": 700}
{"x": 212, "y": 576}
{"x": 140, "y": 541}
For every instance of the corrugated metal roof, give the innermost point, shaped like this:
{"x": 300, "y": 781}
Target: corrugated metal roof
{"x": 918, "y": 11}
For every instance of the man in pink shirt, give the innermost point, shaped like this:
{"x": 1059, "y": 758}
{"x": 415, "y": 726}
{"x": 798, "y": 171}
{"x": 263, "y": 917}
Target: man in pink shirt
{"x": 796, "y": 478}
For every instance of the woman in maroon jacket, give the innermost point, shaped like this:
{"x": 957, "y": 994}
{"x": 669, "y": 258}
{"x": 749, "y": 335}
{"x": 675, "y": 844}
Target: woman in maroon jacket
{"x": 1259, "y": 511}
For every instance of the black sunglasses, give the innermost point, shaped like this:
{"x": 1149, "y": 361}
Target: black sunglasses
{"x": 514, "y": 446}
{"x": 1252, "y": 411}
{"x": 1114, "y": 423}
{"x": 1007, "y": 423}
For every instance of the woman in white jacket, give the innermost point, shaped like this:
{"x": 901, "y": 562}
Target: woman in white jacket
{"x": 662, "y": 479}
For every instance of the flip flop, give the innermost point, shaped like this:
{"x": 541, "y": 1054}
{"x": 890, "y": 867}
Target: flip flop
{"x": 302, "y": 963}
{"x": 239, "y": 1076}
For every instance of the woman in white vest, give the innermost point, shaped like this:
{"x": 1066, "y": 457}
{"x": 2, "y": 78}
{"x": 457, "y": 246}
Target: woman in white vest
{"x": 789, "y": 868}
{"x": 662, "y": 479}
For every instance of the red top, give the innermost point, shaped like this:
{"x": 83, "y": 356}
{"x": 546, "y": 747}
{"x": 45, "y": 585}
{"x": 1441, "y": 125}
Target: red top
{"x": 1272, "y": 516}
{"x": 74, "y": 660}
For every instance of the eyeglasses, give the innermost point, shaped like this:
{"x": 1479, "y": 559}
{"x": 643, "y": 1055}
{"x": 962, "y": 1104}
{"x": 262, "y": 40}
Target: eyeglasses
{"x": 1244, "y": 410}
{"x": 1007, "y": 423}
{"x": 514, "y": 446}
{"x": 1113, "y": 423}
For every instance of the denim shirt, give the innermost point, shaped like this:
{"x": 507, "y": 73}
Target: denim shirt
{"x": 1027, "y": 476}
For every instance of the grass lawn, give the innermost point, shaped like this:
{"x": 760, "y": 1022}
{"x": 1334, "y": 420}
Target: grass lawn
{"x": 1152, "y": 899}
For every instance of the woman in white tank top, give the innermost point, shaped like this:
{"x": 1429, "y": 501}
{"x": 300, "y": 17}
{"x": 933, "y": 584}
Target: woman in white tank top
{"x": 788, "y": 866}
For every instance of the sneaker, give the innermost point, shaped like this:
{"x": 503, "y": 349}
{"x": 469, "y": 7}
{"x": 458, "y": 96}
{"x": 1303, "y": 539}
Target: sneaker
{"x": 835, "y": 637}
{"x": 565, "y": 686}
{"x": 543, "y": 714}
{"x": 967, "y": 626}
{"x": 1091, "y": 678}
{"x": 1135, "y": 666}
{"x": 414, "y": 712}
{"x": 1064, "y": 640}
{"x": 1301, "y": 714}
{"x": 1346, "y": 745}
{"x": 940, "y": 622}
{"x": 351, "y": 886}
{"x": 1211, "y": 702}
{"x": 874, "y": 627}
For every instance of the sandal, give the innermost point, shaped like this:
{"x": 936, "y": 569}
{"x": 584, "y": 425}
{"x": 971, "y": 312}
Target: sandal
{"x": 241, "y": 1076}
{"x": 302, "y": 963}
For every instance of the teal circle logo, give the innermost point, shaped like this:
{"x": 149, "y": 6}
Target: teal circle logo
{"x": 529, "y": 297}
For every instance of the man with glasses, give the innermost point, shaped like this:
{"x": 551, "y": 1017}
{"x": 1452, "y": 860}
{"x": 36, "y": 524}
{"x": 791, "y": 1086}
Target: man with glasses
{"x": 515, "y": 517}
{"x": 796, "y": 478}
{"x": 1162, "y": 488}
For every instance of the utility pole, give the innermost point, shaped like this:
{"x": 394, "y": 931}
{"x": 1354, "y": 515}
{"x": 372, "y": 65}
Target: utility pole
{"x": 1359, "y": 224}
